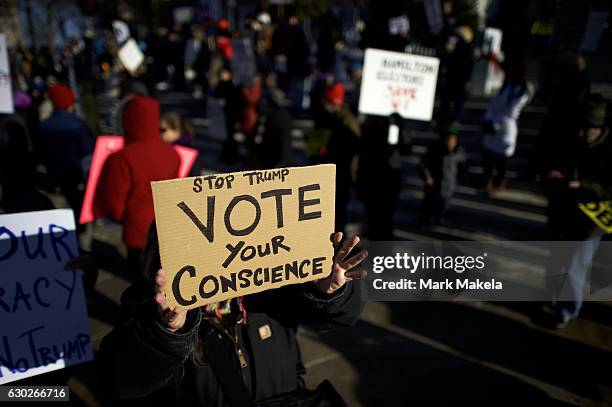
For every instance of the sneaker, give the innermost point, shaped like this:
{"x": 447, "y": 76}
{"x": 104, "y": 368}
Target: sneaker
{"x": 551, "y": 317}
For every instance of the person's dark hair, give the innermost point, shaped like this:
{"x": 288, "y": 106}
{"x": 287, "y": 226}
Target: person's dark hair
{"x": 134, "y": 87}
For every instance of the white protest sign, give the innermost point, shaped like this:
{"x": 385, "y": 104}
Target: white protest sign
{"x": 492, "y": 40}
{"x": 491, "y": 43}
{"x": 121, "y": 31}
{"x": 6, "y": 93}
{"x": 395, "y": 82}
{"x": 183, "y": 15}
{"x": 399, "y": 25}
{"x": 131, "y": 56}
{"x": 43, "y": 314}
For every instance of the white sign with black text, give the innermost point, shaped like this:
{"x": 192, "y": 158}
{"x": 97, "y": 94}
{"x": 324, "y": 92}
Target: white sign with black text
{"x": 6, "y": 93}
{"x": 395, "y": 82}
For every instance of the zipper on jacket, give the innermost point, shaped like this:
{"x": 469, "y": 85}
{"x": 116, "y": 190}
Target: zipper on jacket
{"x": 241, "y": 358}
{"x": 239, "y": 354}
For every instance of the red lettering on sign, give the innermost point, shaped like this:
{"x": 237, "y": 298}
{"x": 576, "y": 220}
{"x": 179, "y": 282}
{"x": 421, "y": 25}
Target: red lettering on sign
{"x": 400, "y": 96}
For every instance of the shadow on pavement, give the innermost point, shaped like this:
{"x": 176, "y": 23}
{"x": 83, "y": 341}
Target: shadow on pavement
{"x": 438, "y": 353}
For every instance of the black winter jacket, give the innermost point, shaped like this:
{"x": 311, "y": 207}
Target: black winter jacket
{"x": 142, "y": 360}
{"x": 591, "y": 165}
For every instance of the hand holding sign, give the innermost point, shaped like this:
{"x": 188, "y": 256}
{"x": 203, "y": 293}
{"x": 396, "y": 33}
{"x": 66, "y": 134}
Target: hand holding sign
{"x": 173, "y": 319}
{"x": 341, "y": 267}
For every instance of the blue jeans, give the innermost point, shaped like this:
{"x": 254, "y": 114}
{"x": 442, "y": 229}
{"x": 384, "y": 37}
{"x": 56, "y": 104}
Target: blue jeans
{"x": 570, "y": 280}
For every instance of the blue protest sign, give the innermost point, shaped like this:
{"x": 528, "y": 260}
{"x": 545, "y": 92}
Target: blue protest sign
{"x": 43, "y": 313}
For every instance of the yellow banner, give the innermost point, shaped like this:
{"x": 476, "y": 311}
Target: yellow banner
{"x": 600, "y": 213}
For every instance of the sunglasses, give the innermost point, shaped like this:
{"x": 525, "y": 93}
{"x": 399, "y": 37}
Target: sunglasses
{"x": 162, "y": 130}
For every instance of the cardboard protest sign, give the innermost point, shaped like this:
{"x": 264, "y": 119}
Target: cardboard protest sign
{"x": 131, "y": 56}
{"x": 395, "y": 82}
{"x": 43, "y": 314}
{"x": 227, "y": 235}
{"x": 600, "y": 213}
{"x": 105, "y": 146}
{"x": 6, "y": 93}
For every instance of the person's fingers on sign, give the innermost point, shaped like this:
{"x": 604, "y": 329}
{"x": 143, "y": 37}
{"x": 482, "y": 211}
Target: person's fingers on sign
{"x": 172, "y": 319}
{"x": 343, "y": 264}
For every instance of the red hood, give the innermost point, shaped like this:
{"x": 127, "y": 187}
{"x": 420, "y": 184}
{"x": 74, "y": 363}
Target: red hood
{"x": 141, "y": 119}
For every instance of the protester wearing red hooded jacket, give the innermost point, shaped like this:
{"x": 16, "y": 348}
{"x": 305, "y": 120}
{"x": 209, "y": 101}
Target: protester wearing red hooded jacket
{"x": 124, "y": 190}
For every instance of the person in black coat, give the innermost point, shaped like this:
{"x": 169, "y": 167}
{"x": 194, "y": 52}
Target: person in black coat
{"x": 580, "y": 174}
{"x": 230, "y": 353}
{"x": 230, "y": 93}
{"x": 275, "y": 148}
{"x": 456, "y": 71}
{"x": 68, "y": 144}
{"x": 379, "y": 178}
{"x": 342, "y": 148}
{"x": 18, "y": 190}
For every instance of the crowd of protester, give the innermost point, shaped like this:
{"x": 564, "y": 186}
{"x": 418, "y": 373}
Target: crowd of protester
{"x": 46, "y": 145}
{"x": 267, "y": 72}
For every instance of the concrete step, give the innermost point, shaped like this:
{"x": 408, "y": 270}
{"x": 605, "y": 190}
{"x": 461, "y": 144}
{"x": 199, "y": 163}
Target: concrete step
{"x": 527, "y": 201}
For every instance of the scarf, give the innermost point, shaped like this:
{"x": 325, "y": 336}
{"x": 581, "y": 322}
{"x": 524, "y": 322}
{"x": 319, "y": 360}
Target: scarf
{"x": 222, "y": 309}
